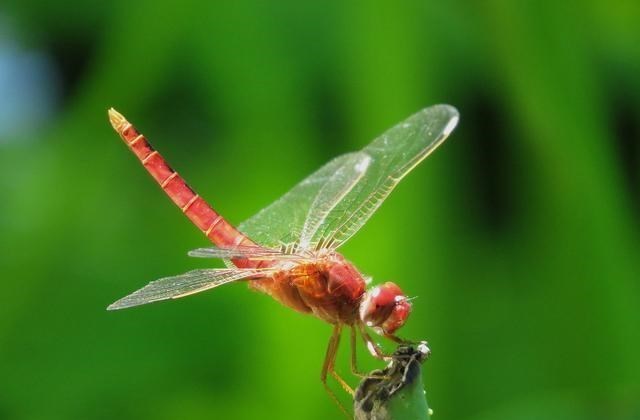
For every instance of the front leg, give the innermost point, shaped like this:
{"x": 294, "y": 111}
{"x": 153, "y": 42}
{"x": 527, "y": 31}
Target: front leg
{"x": 372, "y": 346}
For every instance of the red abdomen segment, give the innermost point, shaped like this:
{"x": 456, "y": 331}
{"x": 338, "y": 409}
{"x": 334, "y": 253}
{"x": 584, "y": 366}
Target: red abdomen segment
{"x": 213, "y": 225}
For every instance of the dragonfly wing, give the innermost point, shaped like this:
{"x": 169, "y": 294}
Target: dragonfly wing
{"x": 184, "y": 284}
{"x": 248, "y": 253}
{"x": 342, "y": 181}
{"x": 253, "y": 253}
{"x": 393, "y": 155}
{"x": 326, "y": 209}
{"x": 282, "y": 222}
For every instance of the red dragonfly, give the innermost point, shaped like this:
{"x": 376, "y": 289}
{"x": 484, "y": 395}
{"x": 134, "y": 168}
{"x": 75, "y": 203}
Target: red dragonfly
{"x": 289, "y": 249}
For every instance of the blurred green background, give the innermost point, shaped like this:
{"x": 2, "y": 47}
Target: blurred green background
{"x": 520, "y": 236}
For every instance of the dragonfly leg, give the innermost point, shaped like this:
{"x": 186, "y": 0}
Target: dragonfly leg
{"x": 343, "y": 383}
{"x": 354, "y": 368}
{"x": 328, "y": 367}
{"x": 354, "y": 364}
{"x": 373, "y": 347}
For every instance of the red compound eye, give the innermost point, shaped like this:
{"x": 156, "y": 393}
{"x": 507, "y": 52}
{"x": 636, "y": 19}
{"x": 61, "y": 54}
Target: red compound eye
{"x": 385, "y": 308}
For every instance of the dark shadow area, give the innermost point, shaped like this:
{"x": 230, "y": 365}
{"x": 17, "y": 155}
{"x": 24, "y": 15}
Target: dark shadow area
{"x": 71, "y": 56}
{"x": 328, "y": 117}
{"x": 626, "y": 128}
{"x": 188, "y": 116}
{"x": 487, "y": 154}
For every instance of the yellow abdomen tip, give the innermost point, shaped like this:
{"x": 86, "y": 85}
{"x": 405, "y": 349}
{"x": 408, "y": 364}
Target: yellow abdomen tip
{"x": 116, "y": 119}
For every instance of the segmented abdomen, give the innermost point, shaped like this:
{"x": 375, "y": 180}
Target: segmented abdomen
{"x": 212, "y": 224}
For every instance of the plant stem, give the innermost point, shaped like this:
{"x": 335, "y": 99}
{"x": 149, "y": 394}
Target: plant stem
{"x": 397, "y": 392}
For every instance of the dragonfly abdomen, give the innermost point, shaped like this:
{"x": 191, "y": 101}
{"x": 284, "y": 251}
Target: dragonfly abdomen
{"x": 212, "y": 224}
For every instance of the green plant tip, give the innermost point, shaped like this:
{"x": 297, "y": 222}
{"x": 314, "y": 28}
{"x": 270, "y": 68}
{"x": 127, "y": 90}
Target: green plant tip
{"x": 396, "y": 392}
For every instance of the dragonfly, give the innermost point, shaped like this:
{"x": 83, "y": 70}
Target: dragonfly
{"x": 289, "y": 250}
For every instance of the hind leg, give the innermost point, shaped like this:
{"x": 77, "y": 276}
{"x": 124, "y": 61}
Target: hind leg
{"x": 328, "y": 367}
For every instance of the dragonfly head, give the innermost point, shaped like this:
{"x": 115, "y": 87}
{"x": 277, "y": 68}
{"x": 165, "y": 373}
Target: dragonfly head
{"x": 385, "y": 308}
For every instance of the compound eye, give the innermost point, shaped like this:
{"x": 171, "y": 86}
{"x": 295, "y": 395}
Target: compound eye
{"x": 385, "y": 308}
{"x": 398, "y": 316}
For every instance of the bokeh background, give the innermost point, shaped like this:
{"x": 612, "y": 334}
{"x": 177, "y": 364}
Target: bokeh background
{"x": 520, "y": 236}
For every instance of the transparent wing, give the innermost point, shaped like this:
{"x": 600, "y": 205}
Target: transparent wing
{"x": 248, "y": 252}
{"x": 282, "y": 221}
{"x": 333, "y": 191}
{"x": 337, "y": 207}
{"x": 394, "y": 154}
{"x": 240, "y": 252}
{"x": 184, "y": 284}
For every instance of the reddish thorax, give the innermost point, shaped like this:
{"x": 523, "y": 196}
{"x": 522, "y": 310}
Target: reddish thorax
{"x": 333, "y": 290}
{"x": 330, "y": 289}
